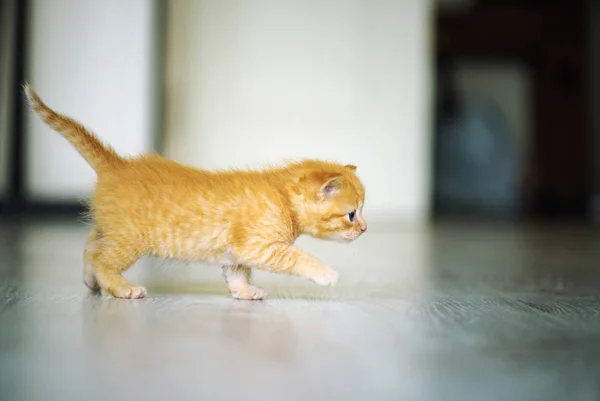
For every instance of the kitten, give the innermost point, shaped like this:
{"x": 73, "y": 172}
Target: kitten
{"x": 150, "y": 205}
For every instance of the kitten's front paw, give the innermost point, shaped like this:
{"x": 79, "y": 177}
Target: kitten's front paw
{"x": 325, "y": 277}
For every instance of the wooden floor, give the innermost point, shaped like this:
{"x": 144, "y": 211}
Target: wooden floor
{"x": 452, "y": 313}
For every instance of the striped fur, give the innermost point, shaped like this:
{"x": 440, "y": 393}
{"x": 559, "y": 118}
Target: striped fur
{"x": 240, "y": 219}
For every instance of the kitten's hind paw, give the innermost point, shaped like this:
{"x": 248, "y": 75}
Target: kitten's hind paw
{"x": 248, "y": 293}
{"x": 128, "y": 292}
{"x": 91, "y": 282}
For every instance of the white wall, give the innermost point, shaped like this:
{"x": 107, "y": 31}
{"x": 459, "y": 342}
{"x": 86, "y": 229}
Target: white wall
{"x": 92, "y": 60}
{"x": 262, "y": 81}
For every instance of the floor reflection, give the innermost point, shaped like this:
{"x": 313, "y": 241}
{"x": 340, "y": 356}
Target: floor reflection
{"x": 453, "y": 312}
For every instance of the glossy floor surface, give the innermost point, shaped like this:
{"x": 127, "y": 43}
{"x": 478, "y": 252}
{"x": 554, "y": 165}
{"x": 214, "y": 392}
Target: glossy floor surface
{"x": 447, "y": 313}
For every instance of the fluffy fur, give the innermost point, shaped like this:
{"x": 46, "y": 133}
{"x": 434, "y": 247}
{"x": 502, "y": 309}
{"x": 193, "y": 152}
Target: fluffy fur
{"x": 150, "y": 205}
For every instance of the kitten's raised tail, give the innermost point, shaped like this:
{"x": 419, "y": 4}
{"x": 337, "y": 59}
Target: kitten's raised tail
{"x": 96, "y": 153}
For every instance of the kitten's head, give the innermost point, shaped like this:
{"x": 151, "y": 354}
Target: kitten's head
{"x": 331, "y": 201}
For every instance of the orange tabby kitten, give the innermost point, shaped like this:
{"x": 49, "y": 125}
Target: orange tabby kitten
{"x": 150, "y": 205}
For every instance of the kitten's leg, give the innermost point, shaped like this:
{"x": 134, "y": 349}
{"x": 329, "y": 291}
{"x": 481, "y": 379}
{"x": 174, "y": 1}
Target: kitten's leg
{"x": 238, "y": 283}
{"x": 288, "y": 259}
{"x": 110, "y": 262}
{"x": 89, "y": 274}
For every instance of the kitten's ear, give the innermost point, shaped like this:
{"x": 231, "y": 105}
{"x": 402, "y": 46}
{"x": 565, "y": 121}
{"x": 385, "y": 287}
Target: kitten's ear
{"x": 331, "y": 186}
{"x": 351, "y": 167}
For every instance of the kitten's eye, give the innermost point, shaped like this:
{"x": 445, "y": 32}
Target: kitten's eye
{"x": 351, "y": 215}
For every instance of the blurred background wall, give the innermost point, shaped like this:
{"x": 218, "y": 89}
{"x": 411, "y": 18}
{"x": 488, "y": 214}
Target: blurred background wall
{"x": 348, "y": 80}
{"x": 91, "y": 60}
{"x": 448, "y": 107}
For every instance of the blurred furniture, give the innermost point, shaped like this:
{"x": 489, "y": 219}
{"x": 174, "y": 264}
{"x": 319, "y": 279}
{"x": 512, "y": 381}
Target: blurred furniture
{"x": 551, "y": 37}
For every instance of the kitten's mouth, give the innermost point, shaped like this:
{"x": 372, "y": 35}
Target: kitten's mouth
{"x": 348, "y": 239}
{"x": 343, "y": 238}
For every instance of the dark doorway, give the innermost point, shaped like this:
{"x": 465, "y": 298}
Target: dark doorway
{"x": 550, "y": 38}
